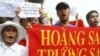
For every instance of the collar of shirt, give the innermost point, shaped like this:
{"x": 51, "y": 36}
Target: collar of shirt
{"x": 12, "y": 47}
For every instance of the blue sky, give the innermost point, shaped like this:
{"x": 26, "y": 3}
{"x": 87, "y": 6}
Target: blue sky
{"x": 80, "y": 6}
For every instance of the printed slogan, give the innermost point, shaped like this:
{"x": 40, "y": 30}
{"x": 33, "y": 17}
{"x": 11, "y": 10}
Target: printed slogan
{"x": 63, "y": 41}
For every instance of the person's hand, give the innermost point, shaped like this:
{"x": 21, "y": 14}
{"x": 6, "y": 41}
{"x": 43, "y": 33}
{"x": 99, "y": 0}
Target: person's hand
{"x": 76, "y": 19}
{"x": 17, "y": 11}
{"x": 76, "y": 16}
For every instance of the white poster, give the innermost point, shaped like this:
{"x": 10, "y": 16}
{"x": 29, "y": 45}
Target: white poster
{"x": 30, "y": 10}
{"x": 7, "y": 7}
{"x": 12, "y": 1}
{"x": 7, "y": 10}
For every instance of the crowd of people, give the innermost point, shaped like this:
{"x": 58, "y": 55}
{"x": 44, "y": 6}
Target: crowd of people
{"x": 63, "y": 12}
{"x": 13, "y": 29}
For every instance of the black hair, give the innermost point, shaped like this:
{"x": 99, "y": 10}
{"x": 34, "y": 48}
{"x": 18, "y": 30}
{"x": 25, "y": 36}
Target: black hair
{"x": 9, "y": 18}
{"x": 2, "y": 20}
{"x": 29, "y": 19}
{"x": 62, "y": 5}
{"x": 89, "y": 13}
{"x": 23, "y": 22}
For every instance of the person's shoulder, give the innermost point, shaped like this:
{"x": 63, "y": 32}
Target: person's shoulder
{"x": 22, "y": 50}
{"x": 57, "y": 24}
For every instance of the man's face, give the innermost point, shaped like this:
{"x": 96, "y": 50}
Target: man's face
{"x": 9, "y": 35}
{"x": 93, "y": 20}
{"x": 63, "y": 14}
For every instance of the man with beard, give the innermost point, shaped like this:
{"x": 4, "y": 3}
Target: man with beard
{"x": 63, "y": 12}
{"x": 92, "y": 18}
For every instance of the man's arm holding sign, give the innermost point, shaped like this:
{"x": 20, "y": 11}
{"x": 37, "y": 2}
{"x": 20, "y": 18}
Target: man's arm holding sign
{"x": 17, "y": 17}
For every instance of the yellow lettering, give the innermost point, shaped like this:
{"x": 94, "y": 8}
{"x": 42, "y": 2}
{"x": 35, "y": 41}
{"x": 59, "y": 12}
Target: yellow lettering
{"x": 79, "y": 40}
{"x": 45, "y": 37}
{"x": 53, "y": 40}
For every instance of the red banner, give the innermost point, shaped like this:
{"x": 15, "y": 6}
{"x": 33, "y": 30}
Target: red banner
{"x": 64, "y": 41}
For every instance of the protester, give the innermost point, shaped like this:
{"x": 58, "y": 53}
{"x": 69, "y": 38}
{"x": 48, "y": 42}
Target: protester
{"x": 92, "y": 18}
{"x": 10, "y": 34}
{"x": 42, "y": 19}
{"x": 17, "y": 17}
{"x": 23, "y": 22}
{"x": 63, "y": 12}
{"x": 33, "y": 20}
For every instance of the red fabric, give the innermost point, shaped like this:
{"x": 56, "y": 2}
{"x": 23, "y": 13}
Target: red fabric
{"x": 34, "y": 41}
{"x": 57, "y": 35}
{"x": 23, "y": 42}
{"x": 80, "y": 23}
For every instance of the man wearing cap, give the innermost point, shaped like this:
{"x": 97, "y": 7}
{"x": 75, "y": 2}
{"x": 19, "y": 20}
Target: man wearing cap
{"x": 63, "y": 12}
{"x": 10, "y": 34}
{"x": 93, "y": 19}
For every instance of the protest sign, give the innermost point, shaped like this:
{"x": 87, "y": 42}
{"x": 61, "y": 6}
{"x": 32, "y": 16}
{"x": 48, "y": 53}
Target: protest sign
{"x": 12, "y": 1}
{"x": 7, "y": 7}
{"x": 7, "y": 10}
{"x": 30, "y": 10}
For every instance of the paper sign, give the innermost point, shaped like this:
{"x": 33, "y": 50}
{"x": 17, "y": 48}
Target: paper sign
{"x": 12, "y": 1}
{"x": 30, "y": 9}
{"x": 7, "y": 10}
{"x": 7, "y": 7}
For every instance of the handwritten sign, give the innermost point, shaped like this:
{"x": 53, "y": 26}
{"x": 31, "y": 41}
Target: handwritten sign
{"x": 30, "y": 10}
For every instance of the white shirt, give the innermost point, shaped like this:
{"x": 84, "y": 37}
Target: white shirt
{"x": 14, "y": 50}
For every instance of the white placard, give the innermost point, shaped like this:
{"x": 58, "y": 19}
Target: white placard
{"x": 12, "y": 1}
{"x": 30, "y": 9}
{"x": 7, "y": 10}
{"x": 7, "y": 7}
